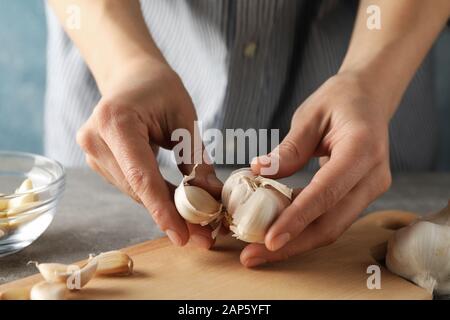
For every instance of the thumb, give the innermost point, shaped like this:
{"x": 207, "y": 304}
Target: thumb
{"x": 291, "y": 154}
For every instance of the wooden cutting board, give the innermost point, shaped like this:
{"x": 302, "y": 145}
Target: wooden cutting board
{"x": 338, "y": 271}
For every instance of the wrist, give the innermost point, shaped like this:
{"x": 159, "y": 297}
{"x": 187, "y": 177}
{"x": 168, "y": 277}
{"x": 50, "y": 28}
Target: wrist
{"x": 126, "y": 70}
{"x": 380, "y": 88}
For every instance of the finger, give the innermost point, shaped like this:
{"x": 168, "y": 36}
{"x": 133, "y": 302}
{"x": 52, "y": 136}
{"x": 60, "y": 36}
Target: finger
{"x": 101, "y": 159}
{"x": 127, "y": 138}
{"x": 329, "y": 226}
{"x": 200, "y": 236}
{"x": 346, "y": 167}
{"x": 294, "y": 151}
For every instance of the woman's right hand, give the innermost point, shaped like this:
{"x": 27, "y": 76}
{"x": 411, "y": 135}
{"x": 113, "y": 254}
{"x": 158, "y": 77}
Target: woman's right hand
{"x": 142, "y": 104}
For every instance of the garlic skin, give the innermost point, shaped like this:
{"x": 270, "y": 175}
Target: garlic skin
{"x": 196, "y": 205}
{"x": 253, "y": 203}
{"x": 420, "y": 252}
{"x": 48, "y": 291}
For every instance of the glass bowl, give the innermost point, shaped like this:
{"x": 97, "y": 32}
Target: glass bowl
{"x": 20, "y": 225}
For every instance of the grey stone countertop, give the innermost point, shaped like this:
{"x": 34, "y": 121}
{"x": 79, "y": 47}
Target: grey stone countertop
{"x": 94, "y": 217}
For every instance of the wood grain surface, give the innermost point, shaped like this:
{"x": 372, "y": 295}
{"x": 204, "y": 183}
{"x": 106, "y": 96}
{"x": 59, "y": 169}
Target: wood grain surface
{"x": 338, "y": 271}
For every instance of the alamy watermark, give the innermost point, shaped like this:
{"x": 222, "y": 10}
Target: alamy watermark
{"x": 235, "y": 147}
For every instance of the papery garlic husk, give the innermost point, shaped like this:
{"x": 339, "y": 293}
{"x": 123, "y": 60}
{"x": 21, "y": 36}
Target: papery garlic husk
{"x": 253, "y": 203}
{"x": 420, "y": 252}
{"x": 22, "y": 293}
{"x": 48, "y": 291}
{"x": 196, "y": 205}
{"x": 114, "y": 263}
{"x": 61, "y": 273}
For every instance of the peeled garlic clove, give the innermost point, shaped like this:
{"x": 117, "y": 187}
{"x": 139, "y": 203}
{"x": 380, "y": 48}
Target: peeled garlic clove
{"x": 3, "y": 204}
{"x": 16, "y": 294}
{"x": 114, "y": 263}
{"x": 12, "y": 211}
{"x": 24, "y": 199}
{"x": 48, "y": 291}
{"x": 252, "y": 219}
{"x": 196, "y": 205}
{"x": 26, "y": 185}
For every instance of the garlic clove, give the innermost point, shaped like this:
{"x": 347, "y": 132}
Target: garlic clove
{"x": 16, "y": 294}
{"x": 3, "y": 205}
{"x": 196, "y": 205}
{"x": 71, "y": 275}
{"x": 235, "y": 179}
{"x": 114, "y": 263}
{"x": 12, "y": 211}
{"x": 53, "y": 272}
{"x": 48, "y": 291}
{"x": 26, "y": 185}
{"x": 24, "y": 199}
{"x": 253, "y": 218}
{"x": 285, "y": 190}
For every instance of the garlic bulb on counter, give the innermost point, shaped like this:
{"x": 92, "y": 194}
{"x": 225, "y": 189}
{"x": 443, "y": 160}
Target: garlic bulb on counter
{"x": 420, "y": 252}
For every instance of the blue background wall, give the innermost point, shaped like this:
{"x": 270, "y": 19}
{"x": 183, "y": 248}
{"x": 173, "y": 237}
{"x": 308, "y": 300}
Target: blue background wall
{"x": 22, "y": 78}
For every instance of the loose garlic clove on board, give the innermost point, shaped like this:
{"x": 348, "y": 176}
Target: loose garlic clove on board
{"x": 253, "y": 203}
{"x": 48, "y": 291}
{"x": 114, "y": 263}
{"x": 196, "y": 205}
{"x": 61, "y": 273}
{"x": 420, "y": 252}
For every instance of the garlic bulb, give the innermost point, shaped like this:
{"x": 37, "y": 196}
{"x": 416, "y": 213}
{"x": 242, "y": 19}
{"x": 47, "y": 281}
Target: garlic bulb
{"x": 196, "y": 205}
{"x": 253, "y": 203}
{"x": 420, "y": 252}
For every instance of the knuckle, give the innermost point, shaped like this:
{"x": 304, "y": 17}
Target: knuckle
{"x": 158, "y": 216}
{"x": 113, "y": 116}
{"x": 137, "y": 180}
{"x": 290, "y": 147}
{"x": 327, "y": 197}
{"x": 86, "y": 141}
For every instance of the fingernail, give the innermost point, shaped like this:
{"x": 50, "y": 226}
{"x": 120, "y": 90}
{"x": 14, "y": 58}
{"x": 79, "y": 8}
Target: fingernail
{"x": 279, "y": 241}
{"x": 253, "y": 262}
{"x": 174, "y": 237}
{"x": 262, "y": 160}
{"x": 213, "y": 181}
{"x": 201, "y": 241}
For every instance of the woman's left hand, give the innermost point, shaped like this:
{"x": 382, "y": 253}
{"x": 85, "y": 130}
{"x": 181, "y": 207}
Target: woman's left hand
{"x": 345, "y": 123}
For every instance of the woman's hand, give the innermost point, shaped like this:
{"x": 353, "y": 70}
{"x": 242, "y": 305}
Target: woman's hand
{"x": 141, "y": 106}
{"x": 345, "y": 123}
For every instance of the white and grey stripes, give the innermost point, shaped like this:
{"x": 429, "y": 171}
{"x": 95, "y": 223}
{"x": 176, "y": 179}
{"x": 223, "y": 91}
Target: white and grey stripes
{"x": 246, "y": 64}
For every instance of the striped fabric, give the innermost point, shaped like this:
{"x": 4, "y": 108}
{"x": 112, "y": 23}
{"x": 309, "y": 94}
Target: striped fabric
{"x": 246, "y": 64}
